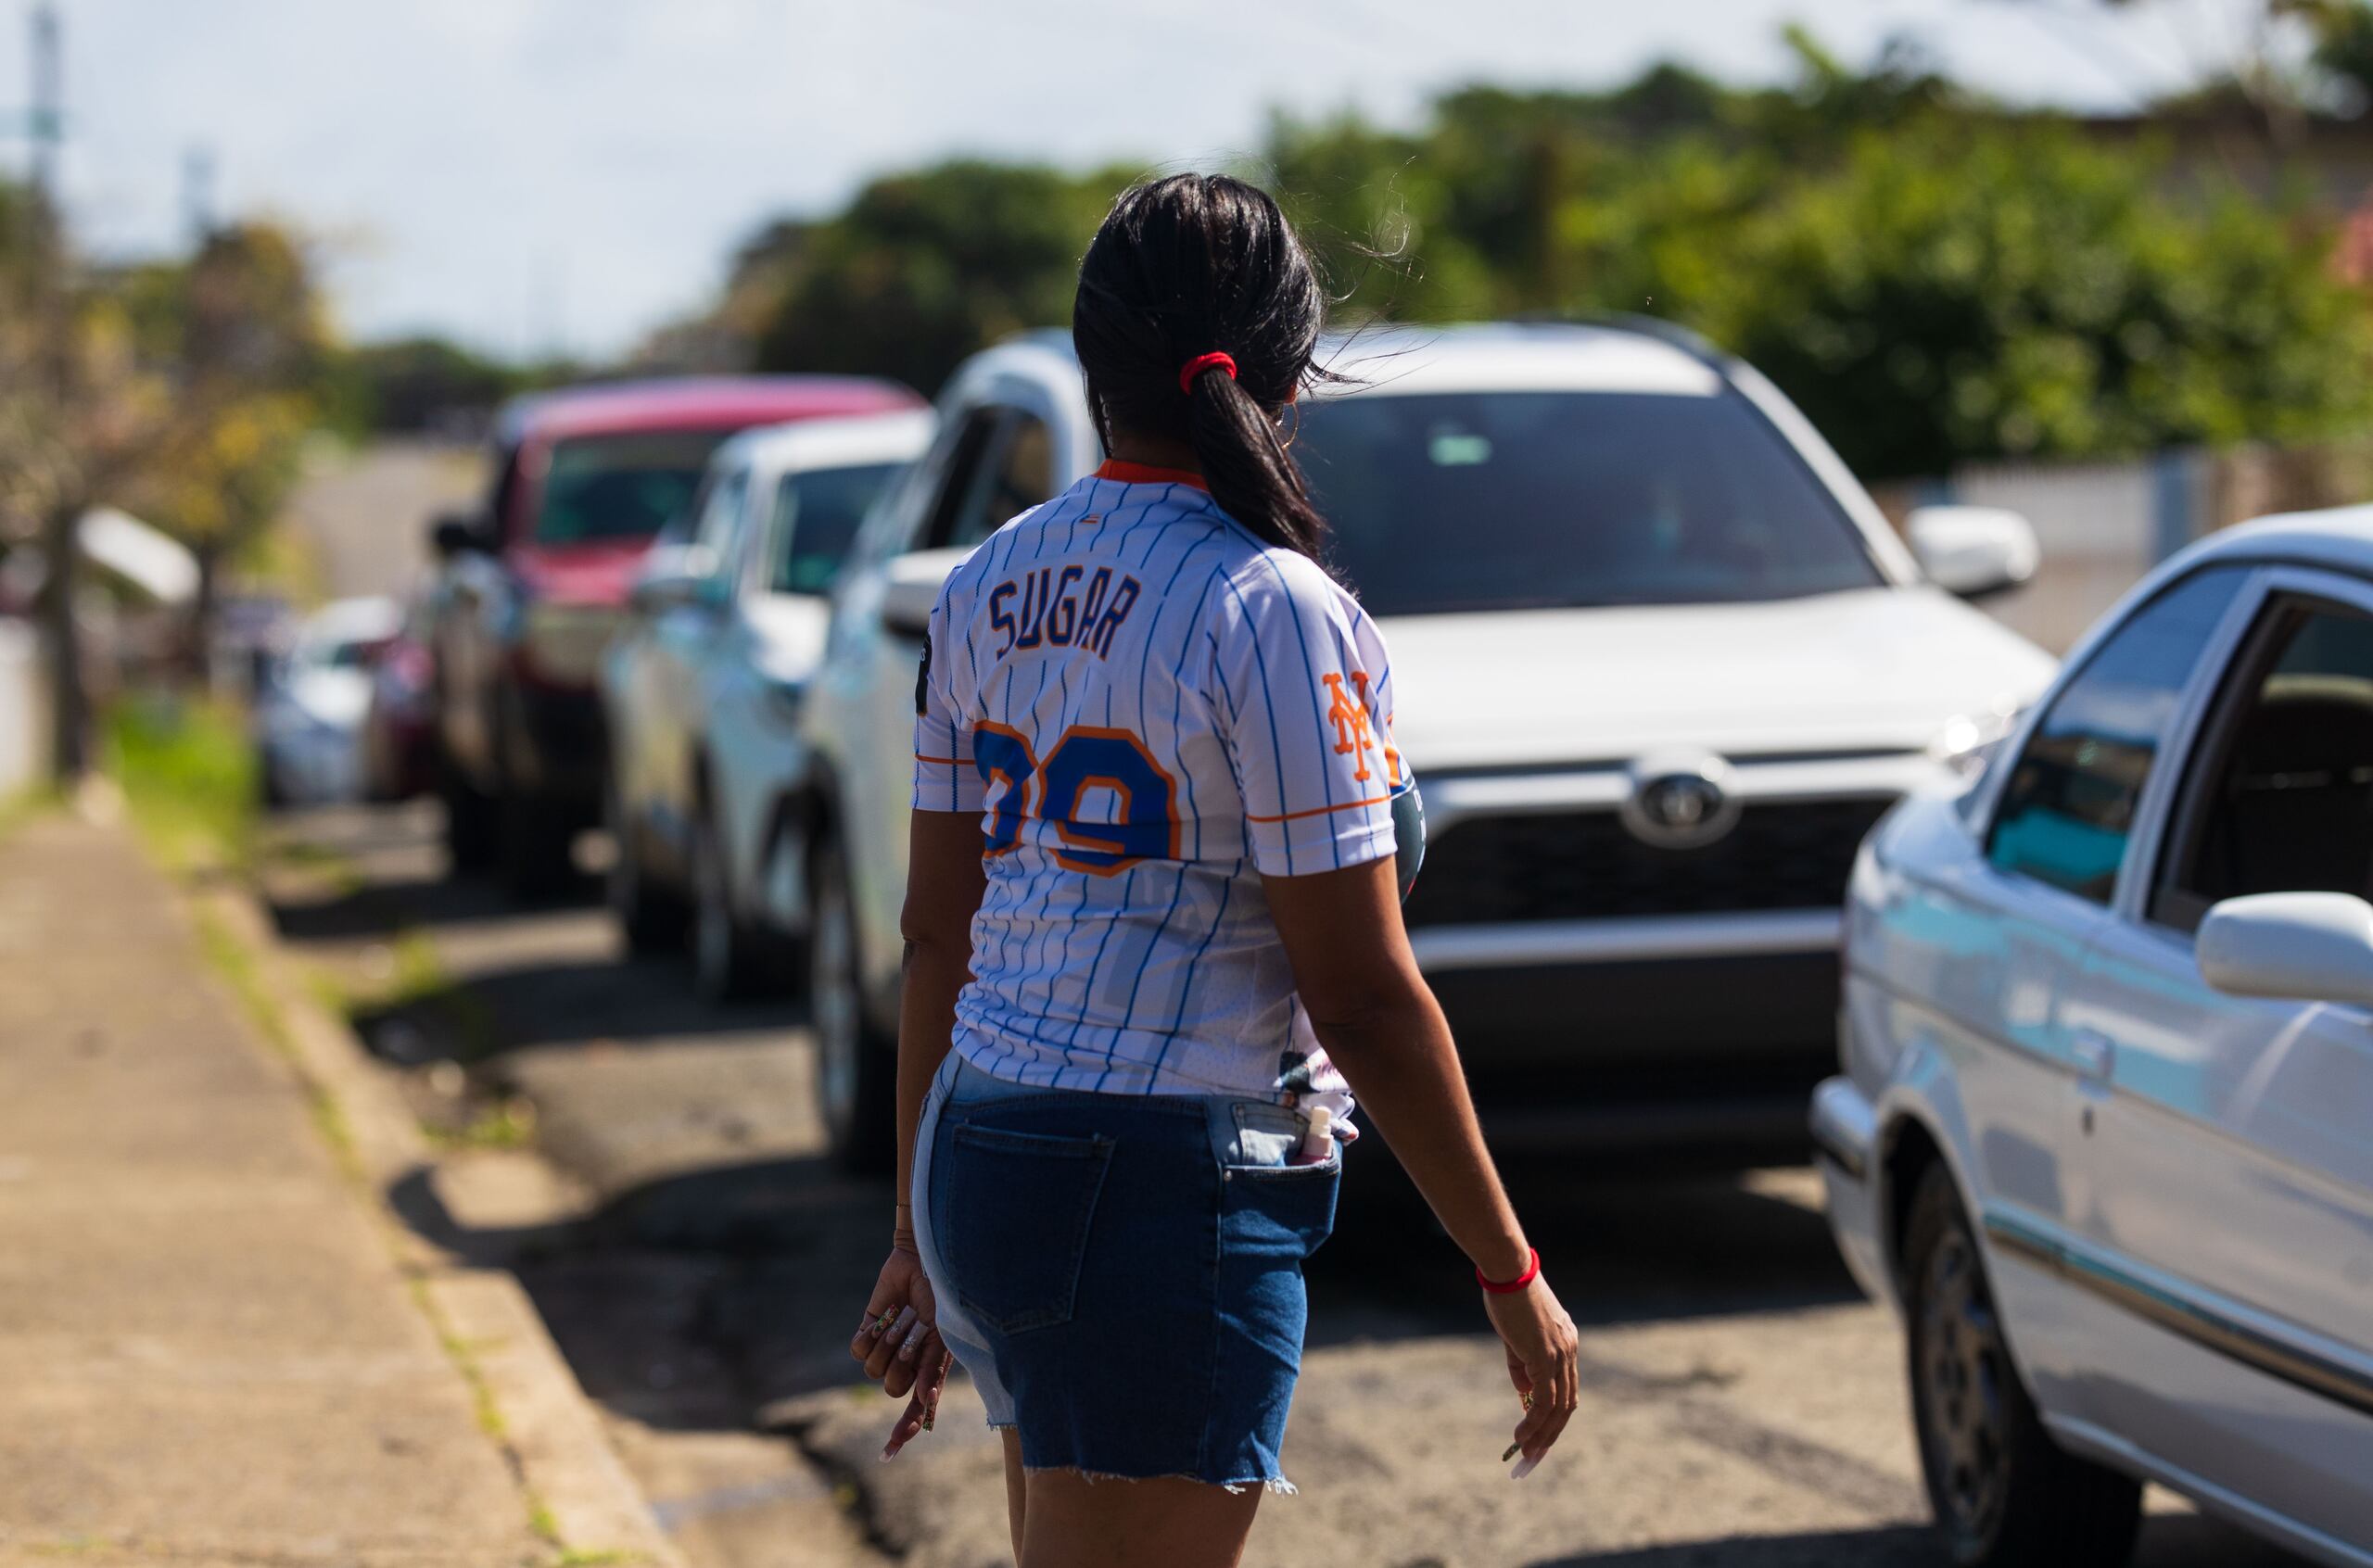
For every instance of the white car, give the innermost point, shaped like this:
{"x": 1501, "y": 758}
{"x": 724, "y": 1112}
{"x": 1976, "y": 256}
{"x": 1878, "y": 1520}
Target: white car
{"x": 703, "y": 690}
{"x": 310, "y": 712}
{"x": 1660, "y": 664}
{"x": 2105, "y": 1129}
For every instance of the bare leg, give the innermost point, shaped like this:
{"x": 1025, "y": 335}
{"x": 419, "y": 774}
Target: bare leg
{"x": 1075, "y": 1523}
{"x": 1016, "y": 1491}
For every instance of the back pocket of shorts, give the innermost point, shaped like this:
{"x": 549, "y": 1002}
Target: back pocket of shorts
{"x": 1020, "y": 1204}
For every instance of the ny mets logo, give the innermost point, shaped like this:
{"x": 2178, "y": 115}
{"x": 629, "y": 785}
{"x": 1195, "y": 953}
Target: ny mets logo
{"x": 1349, "y": 715}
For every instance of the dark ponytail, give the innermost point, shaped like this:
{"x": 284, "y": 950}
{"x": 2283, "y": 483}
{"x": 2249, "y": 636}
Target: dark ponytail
{"x": 1196, "y": 265}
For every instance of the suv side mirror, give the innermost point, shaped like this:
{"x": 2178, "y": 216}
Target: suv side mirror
{"x": 458, "y": 532}
{"x": 2292, "y": 946}
{"x": 910, "y": 587}
{"x": 1972, "y": 551}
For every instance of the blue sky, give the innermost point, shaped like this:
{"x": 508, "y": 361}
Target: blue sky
{"x": 528, "y": 174}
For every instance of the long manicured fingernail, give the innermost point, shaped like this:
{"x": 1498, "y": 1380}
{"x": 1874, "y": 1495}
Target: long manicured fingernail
{"x": 889, "y": 1454}
{"x": 1510, "y": 1452}
{"x": 1525, "y": 1467}
{"x": 914, "y": 1340}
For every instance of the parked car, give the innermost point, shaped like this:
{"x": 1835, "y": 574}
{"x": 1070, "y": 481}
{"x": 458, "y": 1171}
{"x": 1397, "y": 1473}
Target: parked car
{"x": 1660, "y": 663}
{"x": 398, "y": 721}
{"x": 531, "y": 588}
{"x": 2102, "y": 1130}
{"x": 703, "y": 692}
{"x": 309, "y": 711}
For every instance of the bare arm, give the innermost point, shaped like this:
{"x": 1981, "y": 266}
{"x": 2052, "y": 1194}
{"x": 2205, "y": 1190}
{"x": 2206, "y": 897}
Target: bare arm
{"x": 1380, "y": 1024}
{"x": 944, "y": 883}
{"x": 898, "y": 1339}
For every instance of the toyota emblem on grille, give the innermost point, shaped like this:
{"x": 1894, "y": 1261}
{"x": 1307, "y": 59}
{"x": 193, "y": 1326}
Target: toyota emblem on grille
{"x": 1682, "y": 801}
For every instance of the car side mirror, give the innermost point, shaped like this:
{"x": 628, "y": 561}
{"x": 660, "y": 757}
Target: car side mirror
{"x": 910, "y": 587}
{"x": 679, "y": 577}
{"x": 2290, "y": 946}
{"x": 1973, "y": 551}
{"x": 459, "y": 533}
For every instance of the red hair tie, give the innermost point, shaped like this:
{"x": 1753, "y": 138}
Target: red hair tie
{"x": 1198, "y": 364}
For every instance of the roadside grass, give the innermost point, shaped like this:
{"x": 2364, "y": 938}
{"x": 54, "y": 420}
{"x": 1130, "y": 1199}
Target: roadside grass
{"x": 188, "y": 774}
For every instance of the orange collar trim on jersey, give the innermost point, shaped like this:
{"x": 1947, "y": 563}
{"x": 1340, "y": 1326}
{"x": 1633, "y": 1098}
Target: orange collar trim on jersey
{"x": 1146, "y": 474}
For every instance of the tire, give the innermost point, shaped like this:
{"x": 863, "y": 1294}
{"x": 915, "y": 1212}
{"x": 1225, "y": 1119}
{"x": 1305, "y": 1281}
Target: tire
{"x": 857, "y": 1062}
{"x": 533, "y": 854}
{"x": 2003, "y": 1493}
{"x": 469, "y": 822}
{"x": 650, "y": 919}
{"x": 728, "y": 962}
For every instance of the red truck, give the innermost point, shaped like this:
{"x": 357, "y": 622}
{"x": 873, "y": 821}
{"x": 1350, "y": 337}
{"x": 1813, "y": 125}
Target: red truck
{"x": 531, "y": 588}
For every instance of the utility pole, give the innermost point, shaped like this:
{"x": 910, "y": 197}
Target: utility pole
{"x": 69, "y": 729}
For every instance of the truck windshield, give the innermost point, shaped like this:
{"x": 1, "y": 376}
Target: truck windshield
{"x": 1506, "y": 501}
{"x": 622, "y": 487}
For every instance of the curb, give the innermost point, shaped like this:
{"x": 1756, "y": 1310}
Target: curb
{"x": 577, "y": 1490}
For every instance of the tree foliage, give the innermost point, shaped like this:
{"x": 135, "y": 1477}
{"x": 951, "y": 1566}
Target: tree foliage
{"x": 1934, "y": 278}
{"x": 924, "y": 268}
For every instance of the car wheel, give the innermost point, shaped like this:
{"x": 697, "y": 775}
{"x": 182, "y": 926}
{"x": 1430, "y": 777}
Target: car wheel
{"x": 649, "y": 920}
{"x": 856, "y": 1063}
{"x": 537, "y": 837}
{"x": 2003, "y": 1493}
{"x": 725, "y": 960}
{"x": 469, "y": 822}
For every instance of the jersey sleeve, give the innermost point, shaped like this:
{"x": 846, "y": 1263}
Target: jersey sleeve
{"x": 945, "y": 779}
{"x": 1303, "y": 693}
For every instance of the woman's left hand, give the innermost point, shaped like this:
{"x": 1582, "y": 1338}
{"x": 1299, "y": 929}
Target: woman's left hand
{"x": 898, "y": 1340}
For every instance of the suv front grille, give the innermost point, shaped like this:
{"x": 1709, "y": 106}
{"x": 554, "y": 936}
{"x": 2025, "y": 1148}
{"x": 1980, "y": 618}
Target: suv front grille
{"x": 1586, "y": 865}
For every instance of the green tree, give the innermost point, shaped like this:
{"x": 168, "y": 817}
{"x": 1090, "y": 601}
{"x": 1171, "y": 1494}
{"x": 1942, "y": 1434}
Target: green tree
{"x": 926, "y": 268}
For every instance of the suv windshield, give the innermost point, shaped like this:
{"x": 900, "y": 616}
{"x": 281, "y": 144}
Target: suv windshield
{"x": 1508, "y": 501}
{"x": 624, "y": 487}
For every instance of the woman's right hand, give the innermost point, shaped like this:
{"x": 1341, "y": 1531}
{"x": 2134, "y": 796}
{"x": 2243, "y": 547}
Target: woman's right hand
{"x": 1544, "y": 1361}
{"x": 898, "y": 1340}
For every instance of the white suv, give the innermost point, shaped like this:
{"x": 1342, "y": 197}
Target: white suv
{"x": 1661, "y": 665}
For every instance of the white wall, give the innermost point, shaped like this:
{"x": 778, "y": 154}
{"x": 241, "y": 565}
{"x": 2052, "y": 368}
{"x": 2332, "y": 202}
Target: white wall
{"x": 24, "y": 712}
{"x": 2097, "y": 524}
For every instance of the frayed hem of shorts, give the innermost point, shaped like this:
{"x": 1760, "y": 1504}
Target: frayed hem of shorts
{"x": 1276, "y": 1485}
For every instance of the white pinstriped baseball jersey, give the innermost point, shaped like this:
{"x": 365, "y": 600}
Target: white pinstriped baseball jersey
{"x": 1151, "y": 710}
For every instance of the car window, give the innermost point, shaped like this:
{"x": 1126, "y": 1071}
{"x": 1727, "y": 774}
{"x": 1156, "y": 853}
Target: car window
{"x": 816, "y": 517}
{"x": 2280, "y": 795}
{"x": 623, "y": 486}
{"x": 1566, "y": 498}
{"x": 965, "y": 472}
{"x": 1003, "y": 466}
{"x": 716, "y": 527}
{"x": 2068, "y": 805}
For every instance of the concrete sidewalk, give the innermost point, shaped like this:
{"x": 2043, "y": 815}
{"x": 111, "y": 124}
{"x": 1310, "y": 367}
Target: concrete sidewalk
{"x": 209, "y": 1350}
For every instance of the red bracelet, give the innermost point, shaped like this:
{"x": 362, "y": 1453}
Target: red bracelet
{"x": 1531, "y": 1272}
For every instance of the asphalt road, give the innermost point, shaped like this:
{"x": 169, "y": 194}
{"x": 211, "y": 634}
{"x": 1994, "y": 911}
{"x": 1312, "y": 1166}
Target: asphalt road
{"x": 652, "y": 1172}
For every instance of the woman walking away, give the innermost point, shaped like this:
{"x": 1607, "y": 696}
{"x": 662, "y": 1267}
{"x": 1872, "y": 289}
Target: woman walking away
{"x": 1152, "y": 907}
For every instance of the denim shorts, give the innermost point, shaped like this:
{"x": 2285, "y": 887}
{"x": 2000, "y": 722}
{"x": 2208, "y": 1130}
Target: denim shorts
{"x": 1122, "y": 1275}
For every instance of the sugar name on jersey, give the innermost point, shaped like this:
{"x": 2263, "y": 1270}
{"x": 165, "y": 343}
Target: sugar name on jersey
{"x": 1063, "y": 606}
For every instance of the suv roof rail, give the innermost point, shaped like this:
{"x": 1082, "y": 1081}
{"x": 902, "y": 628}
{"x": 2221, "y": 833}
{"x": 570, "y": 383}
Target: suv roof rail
{"x": 1669, "y": 332}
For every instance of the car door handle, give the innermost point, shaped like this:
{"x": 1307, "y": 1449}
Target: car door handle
{"x": 2095, "y": 1054}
